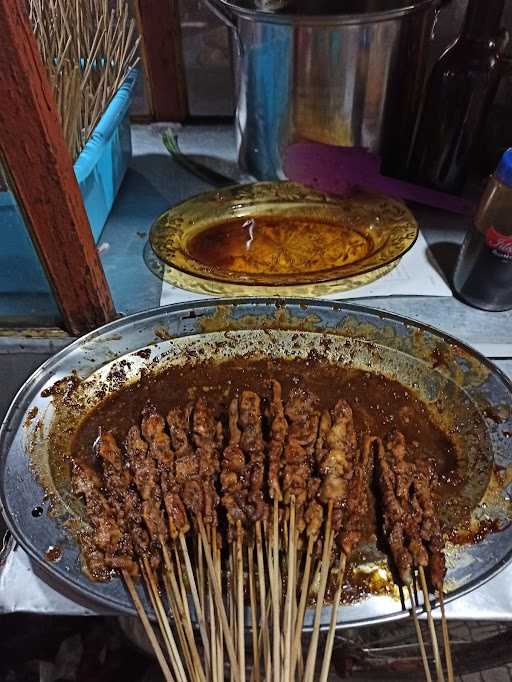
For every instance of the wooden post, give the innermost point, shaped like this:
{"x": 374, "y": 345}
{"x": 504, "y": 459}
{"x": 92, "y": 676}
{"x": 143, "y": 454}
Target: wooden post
{"x": 41, "y": 172}
{"x": 160, "y": 30}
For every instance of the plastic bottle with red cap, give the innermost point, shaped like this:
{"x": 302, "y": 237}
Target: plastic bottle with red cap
{"x": 483, "y": 274}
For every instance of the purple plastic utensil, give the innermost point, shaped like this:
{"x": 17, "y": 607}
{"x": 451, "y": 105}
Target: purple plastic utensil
{"x": 341, "y": 169}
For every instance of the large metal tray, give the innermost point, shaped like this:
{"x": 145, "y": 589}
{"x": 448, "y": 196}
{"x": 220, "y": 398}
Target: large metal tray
{"x": 474, "y": 396}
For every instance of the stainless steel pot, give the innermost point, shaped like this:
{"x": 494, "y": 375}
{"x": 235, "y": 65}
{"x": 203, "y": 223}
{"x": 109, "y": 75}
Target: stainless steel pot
{"x": 349, "y": 79}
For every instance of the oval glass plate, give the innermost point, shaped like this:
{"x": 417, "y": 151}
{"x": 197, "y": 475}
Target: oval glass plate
{"x": 200, "y": 285}
{"x": 282, "y": 234}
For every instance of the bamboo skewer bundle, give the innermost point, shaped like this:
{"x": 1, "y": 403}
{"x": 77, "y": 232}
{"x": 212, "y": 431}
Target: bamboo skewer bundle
{"x": 88, "y": 52}
{"x": 158, "y": 499}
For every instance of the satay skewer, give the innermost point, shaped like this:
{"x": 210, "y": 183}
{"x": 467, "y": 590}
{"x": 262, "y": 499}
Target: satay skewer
{"x": 401, "y": 526}
{"x": 278, "y": 431}
{"x": 145, "y": 477}
{"x": 162, "y": 471}
{"x": 302, "y": 419}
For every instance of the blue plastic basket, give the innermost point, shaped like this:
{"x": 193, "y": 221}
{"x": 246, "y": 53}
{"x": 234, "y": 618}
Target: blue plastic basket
{"x": 99, "y": 170}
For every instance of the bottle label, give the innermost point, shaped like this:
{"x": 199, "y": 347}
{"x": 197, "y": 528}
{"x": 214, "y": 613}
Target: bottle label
{"x": 500, "y": 244}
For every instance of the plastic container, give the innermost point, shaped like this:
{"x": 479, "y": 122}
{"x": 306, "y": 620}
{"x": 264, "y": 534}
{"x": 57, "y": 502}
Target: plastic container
{"x": 99, "y": 169}
{"x": 483, "y": 275}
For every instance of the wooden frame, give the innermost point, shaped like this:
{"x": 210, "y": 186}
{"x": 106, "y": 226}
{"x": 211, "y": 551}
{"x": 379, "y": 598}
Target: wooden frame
{"x": 162, "y": 55}
{"x": 42, "y": 176}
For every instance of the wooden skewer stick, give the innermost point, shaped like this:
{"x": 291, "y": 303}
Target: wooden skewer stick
{"x": 274, "y": 587}
{"x": 290, "y": 594}
{"x": 419, "y": 635}
{"x": 186, "y": 610}
{"x": 304, "y": 592}
{"x": 324, "y": 575}
{"x": 220, "y": 639}
{"x": 254, "y": 612}
{"x": 326, "y": 664}
{"x": 240, "y": 600}
{"x": 147, "y": 627}
{"x": 263, "y": 601}
{"x": 232, "y": 599}
{"x": 446, "y": 639}
{"x": 180, "y": 607}
{"x": 173, "y": 597}
{"x": 219, "y": 603}
{"x": 165, "y": 628}
{"x": 195, "y": 598}
{"x": 431, "y": 625}
{"x": 213, "y": 629}
{"x": 200, "y": 573}
{"x": 183, "y": 639}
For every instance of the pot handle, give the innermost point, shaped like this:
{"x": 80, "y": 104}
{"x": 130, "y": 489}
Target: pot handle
{"x": 221, "y": 13}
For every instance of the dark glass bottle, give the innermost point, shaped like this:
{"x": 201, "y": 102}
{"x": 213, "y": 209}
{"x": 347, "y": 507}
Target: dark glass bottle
{"x": 483, "y": 274}
{"x": 458, "y": 94}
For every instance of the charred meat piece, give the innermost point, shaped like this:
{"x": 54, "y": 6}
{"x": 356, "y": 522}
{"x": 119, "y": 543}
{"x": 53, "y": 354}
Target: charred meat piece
{"x": 404, "y": 473}
{"x": 393, "y": 516}
{"x": 303, "y": 419}
{"x": 279, "y": 429}
{"x": 358, "y": 501}
{"x": 107, "y": 543}
{"x": 187, "y": 472}
{"x": 430, "y": 528}
{"x": 206, "y": 436}
{"x": 146, "y": 479}
{"x": 336, "y": 465}
{"x": 234, "y": 473}
{"x": 252, "y": 444}
{"x": 153, "y": 429}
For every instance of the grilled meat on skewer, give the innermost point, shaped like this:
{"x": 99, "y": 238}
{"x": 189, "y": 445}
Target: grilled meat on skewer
{"x": 314, "y": 513}
{"x": 108, "y": 546}
{"x": 336, "y": 466}
{"x": 153, "y": 429}
{"x": 279, "y": 429}
{"x": 430, "y": 529}
{"x": 393, "y": 515}
{"x": 252, "y": 444}
{"x": 207, "y": 436}
{"x": 124, "y": 499}
{"x": 146, "y": 479}
{"x": 234, "y": 474}
{"x": 303, "y": 420}
{"x": 187, "y": 465}
{"x": 358, "y": 501}
{"x": 404, "y": 473}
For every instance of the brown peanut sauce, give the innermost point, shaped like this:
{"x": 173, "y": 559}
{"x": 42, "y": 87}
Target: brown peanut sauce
{"x": 379, "y": 404}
